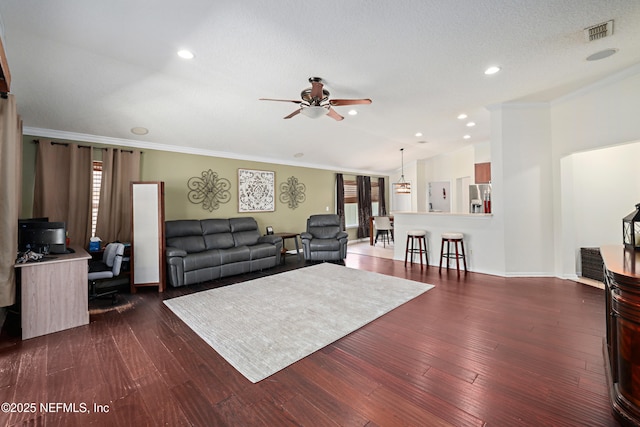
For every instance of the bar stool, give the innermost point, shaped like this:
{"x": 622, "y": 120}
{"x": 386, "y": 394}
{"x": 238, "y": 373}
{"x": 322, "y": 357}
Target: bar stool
{"x": 454, "y": 238}
{"x": 419, "y": 236}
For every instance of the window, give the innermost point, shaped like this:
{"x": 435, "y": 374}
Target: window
{"x": 351, "y": 202}
{"x": 95, "y": 195}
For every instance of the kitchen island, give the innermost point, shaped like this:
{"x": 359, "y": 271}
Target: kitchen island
{"x": 482, "y": 238}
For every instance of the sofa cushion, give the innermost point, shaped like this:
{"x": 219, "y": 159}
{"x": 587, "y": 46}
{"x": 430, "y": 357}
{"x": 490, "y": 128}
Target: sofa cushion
{"x": 182, "y": 227}
{"x": 327, "y": 232}
{"x": 324, "y": 244}
{"x": 217, "y": 233}
{"x": 324, "y": 226}
{"x": 219, "y": 241}
{"x": 246, "y": 238}
{"x": 185, "y": 234}
{"x": 262, "y": 250}
{"x": 190, "y": 244}
{"x": 245, "y": 231}
{"x": 243, "y": 224}
{"x": 200, "y": 260}
{"x": 214, "y": 226}
{"x": 231, "y": 255}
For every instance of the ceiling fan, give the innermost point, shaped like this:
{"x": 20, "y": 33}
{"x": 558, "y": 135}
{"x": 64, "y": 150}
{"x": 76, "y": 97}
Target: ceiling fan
{"x": 316, "y": 103}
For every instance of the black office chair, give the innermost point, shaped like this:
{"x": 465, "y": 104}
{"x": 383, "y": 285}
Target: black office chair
{"x": 102, "y": 273}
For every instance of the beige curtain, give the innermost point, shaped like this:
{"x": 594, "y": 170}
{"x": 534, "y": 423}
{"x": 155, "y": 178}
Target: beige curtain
{"x": 63, "y": 187}
{"x": 10, "y": 196}
{"x": 119, "y": 169}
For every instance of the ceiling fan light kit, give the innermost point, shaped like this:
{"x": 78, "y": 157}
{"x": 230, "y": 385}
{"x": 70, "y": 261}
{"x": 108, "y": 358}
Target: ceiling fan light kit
{"x": 316, "y": 103}
{"x": 314, "y": 111}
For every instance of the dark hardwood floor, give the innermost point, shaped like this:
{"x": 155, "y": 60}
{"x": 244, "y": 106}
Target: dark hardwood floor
{"x": 476, "y": 350}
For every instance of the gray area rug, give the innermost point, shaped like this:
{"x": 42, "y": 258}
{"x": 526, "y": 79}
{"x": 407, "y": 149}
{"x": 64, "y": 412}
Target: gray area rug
{"x": 262, "y": 326}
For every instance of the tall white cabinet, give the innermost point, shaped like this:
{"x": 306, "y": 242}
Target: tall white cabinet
{"x": 147, "y": 243}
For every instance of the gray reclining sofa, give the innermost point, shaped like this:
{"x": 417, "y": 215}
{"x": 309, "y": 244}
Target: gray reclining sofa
{"x": 202, "y": 250}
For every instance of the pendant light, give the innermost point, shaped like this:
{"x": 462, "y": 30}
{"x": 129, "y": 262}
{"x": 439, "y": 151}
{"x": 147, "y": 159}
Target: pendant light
{"x": 402, "y": 187}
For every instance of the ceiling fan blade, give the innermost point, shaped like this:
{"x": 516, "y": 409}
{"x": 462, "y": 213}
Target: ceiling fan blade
{"x": 332, "y": 113}
{"x": 339, "y": 102}
{"x": 295, "y": 113}
{"x": 280, "y": 100}
{"x": 316, "y": 90}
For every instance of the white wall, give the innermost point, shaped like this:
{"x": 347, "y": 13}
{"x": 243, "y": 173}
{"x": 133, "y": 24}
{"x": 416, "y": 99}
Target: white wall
{"x": 447, "y": 167}
{"x": 543, "y": 178}
{"x": 405, "y": 203}
{"x": 600, "y": 115}
{"x": 400, "y": 202}
{"x": 526, "y": 188}
{"x": 482, "y": 152}
{"x": 600, "y": 187}
{"x": 439, "y": 196}
{"x": 604, "y": 115}
{"x": 484, "y": 252}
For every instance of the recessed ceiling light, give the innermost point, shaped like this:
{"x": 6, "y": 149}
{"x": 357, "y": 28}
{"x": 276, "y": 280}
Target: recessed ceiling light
{"x": 471, "y": 124}
{"x": 185, "y": 54}
{"x": 601, "y": 55}
{"x": 418, "y": 134}
{"x": 352, "y": 112}
{"x": 467, "y": 136}
{"x": 139, "y": 131}
{"x": 492, "y": 70}
{"x": 462, "y": 116}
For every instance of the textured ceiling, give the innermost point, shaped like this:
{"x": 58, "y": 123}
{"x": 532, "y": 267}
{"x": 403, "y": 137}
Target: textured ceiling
{"x": 101, "y": 68}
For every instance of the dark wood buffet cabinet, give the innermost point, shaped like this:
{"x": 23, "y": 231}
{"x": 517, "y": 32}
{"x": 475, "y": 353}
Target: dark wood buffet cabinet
{"x": 622, "y": 345}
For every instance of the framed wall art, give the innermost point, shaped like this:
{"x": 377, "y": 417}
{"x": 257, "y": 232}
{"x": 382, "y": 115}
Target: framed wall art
{"x": 209, "y": 189}
{"x": 292, "y": 192}
{"x": 256, "y": 191}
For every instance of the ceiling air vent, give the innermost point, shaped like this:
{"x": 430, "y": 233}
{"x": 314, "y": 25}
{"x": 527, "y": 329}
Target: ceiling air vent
{"x": 599, "y": 31}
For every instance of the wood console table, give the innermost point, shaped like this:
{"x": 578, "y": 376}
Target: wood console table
{"x": 622, "y": 345}
{"x": 54, "y": 293}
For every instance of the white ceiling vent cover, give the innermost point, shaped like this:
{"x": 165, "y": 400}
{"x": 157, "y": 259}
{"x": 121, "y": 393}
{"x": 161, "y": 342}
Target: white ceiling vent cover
{"x": 599, "y": 31}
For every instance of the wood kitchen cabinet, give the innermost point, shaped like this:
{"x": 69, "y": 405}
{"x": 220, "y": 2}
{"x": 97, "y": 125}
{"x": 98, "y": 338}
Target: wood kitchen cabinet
{"x": 483, "y": 173}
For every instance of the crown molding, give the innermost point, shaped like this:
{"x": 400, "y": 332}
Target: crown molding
{"x": 145, "y": 145}
{"x": 515, "y": 105}
{"x": 606, "y": 81}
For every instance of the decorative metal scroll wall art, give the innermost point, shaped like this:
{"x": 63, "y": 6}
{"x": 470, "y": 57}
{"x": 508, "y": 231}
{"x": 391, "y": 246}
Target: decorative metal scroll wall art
{"x": 292, "y": 192}
{"x": 209, "y": 189}
{"x": 256, "y": 191}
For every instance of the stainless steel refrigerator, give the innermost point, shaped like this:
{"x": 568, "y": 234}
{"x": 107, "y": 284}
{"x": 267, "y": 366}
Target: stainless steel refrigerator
{"x": 480, "y": 198}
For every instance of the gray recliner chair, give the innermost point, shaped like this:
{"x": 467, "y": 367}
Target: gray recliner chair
{"x": 324, "y": 240}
